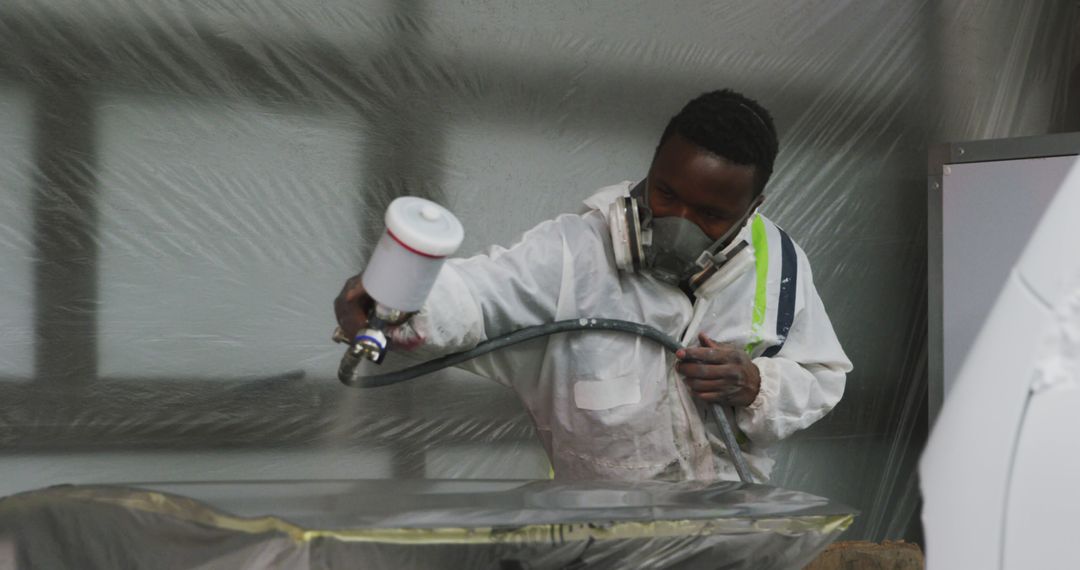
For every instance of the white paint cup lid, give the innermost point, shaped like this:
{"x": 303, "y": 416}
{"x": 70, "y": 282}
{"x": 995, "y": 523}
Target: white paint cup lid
{"x": 424, "y": 226}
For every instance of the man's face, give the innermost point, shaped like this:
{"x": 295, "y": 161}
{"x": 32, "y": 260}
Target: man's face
{"x": 688, "y": 181}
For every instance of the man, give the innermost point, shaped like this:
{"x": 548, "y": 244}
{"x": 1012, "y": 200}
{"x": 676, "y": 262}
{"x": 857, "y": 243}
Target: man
{"x": 616, "y": 406}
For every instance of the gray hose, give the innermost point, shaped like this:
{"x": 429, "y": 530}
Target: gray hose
{"x": 537, "y": 331}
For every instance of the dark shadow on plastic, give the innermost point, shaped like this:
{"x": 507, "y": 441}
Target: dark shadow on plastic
{"x": 65, "y": 232}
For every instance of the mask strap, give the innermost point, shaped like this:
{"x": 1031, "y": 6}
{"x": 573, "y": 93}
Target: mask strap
{"x": 714, "y": 253}
{"x": 691, "y": 285}
{"x": 640, "y": 194}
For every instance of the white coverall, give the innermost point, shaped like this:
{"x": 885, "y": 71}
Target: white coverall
{"x": 610, "y": 405}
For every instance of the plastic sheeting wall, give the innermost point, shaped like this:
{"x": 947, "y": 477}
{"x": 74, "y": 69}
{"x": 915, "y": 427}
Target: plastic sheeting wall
{"x": 186, "y": 186}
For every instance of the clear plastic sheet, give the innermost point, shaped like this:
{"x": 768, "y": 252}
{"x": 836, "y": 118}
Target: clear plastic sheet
{"x": 187, "y": 185}
{"x": 419, "y": 524}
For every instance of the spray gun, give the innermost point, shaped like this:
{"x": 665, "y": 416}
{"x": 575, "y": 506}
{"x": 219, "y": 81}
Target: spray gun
{"x": 419, "y": 236}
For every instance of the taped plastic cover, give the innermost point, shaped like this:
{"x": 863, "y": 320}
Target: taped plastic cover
{"x": 187, "y": 185}
{"x": 419, "y": 524}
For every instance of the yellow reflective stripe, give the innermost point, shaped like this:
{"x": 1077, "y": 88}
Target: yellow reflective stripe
{"x": 760, "y": 240}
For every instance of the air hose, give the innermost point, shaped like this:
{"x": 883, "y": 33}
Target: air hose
{"x": 349, "y": 378}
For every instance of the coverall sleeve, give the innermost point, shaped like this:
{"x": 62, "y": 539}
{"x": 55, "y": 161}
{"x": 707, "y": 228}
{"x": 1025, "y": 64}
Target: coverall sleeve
{"x": 802, "y": 382}
{"x": 490, "y": 294}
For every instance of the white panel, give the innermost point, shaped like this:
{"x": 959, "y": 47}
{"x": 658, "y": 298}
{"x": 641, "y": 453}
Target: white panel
{"x": 1044, "y": 505}
{"x": 965, "y": 468}
{"x": 26, "y": 472}
{"x": 989, "y": 210}
{"x": 1050, "y": 261}
{"x": 226, "y": 230}
{"x": 16, "y": 233}
{"x": 1044, "y": 499}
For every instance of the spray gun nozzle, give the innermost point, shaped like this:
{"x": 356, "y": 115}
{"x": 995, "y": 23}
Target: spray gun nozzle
{"x": 370, "y": 344}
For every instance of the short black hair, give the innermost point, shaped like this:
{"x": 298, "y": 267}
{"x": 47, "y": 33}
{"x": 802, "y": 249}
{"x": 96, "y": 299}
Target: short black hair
{"x": 732, "y": 126}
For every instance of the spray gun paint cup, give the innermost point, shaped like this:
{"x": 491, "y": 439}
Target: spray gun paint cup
{"x": 419, "y": 236}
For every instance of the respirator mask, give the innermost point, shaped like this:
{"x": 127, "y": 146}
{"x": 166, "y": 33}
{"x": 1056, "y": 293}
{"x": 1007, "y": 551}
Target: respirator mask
{"x": 672, "y": 249}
